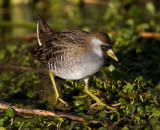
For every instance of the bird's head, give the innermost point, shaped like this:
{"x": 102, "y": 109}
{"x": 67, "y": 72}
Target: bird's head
{"x": 101, "y": 44}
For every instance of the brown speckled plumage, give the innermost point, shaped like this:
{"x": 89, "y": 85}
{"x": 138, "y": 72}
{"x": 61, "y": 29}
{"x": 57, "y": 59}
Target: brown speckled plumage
{"x": 60, "y": 45}
{"x": 72, "y": 54}
{"x": 67, "y": 51}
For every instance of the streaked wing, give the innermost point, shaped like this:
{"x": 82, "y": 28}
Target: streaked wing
{"x": 76, "y": 37}
{"x": 65, "y": 47}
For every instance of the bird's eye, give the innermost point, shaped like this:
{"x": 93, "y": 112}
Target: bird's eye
{"x": 105, "y": 46}
{"x": 102, "y": 46}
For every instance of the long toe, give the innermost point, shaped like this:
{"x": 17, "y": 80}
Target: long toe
{"x": 98, "y": 104}
{"x": 111, "y": 108}
{"x": 62, "y": 101}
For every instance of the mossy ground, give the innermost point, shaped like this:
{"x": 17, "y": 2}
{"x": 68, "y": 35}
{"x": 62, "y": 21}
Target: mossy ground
{"x": 134, "y": 81}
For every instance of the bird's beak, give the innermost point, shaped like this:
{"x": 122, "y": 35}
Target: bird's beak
{"x": 111, "y": 54}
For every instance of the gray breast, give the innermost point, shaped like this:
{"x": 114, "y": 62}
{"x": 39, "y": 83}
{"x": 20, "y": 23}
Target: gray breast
{"x": 77, "y": 68}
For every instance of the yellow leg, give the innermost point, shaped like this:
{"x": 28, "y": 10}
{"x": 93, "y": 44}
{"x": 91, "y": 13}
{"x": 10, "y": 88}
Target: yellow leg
{"x": 55, "y": 89}
{"x": 98, "y": 101}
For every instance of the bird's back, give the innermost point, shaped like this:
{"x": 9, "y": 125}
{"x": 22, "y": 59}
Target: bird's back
{"x": 59, "y": 48}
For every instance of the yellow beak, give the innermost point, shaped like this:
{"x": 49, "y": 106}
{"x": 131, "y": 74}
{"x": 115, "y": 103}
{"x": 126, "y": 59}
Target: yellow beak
{"x": 111, "y": 54}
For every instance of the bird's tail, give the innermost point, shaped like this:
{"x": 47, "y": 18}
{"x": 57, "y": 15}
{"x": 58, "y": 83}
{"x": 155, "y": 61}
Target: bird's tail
{"x": 44, "y": 32}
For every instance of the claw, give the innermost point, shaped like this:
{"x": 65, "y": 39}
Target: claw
{"x": 98, "y": 101}
{"x": 62, "y": 101}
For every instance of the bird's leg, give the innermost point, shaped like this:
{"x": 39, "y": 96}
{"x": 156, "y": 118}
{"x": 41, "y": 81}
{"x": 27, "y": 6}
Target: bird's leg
{"x": 98, "y": 101}
{"x": 55, "y": 89}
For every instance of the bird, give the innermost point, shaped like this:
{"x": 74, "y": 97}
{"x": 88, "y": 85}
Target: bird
{"x": 72, "y": 55}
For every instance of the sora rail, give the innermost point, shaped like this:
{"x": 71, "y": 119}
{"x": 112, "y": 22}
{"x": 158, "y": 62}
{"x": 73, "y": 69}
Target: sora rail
{"x": 72, "y": 55}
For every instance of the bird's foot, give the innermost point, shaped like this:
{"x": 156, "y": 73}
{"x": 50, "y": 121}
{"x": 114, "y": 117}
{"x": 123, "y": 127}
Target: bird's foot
{"x": 102, "y": 104}
{"x": 62, "y": 101}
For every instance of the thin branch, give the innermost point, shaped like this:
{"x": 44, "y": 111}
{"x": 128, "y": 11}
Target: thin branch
{"x": 155, "y": 35}
{"x": 92, "y": 1}
{"x": 29, "y": 36}
{"x": 150, "y": 34}
{"x": 44, "y": 113}
{"x": 23, "y": 68}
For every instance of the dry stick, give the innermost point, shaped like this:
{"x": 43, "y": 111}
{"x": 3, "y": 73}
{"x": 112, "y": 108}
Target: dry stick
{"x": 94, "y": 1}
{"x": 23, "y": 68}
{"x": 44, "y": 113}
{"x": 28, "y": 36}
{"x": 149, "y": 34}
{"x": 141, "y": 34}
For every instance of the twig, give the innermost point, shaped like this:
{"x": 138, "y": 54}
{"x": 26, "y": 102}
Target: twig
{"x": 28, "y": 36}
{"x": 23, "y": 68}
{"x": 155, "y": 35}
{"x": 44, "y": 113}
{"x": 150, "y": 34}
{"x": 92, "y": 1}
